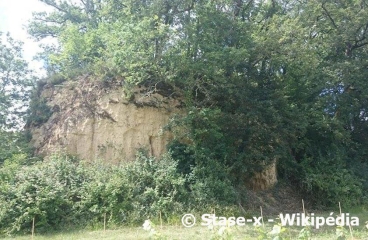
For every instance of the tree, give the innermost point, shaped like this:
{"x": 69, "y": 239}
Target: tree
{"x": 15, "y": 86}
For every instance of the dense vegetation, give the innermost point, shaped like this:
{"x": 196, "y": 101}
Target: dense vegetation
{"x": 263, "y": 81}
{"x": 62, "y": 192}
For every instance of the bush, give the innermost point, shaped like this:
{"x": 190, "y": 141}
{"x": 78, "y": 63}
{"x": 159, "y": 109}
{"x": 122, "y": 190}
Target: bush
{"x": 105, "y": 194}
{"x": 134, "y": 192}
{"x": 45, "y": 191}
{"x": 155, "y": 186}
{"x": 62, "y": 191}
{"x": 328, "y": 182}
{"x": 56, "y": 79}
{"x": 39, "y": 112}
{"x": 210, "y": 185}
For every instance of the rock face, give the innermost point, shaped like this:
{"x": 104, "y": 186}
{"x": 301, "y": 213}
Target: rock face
{"x": 98, "y": 122}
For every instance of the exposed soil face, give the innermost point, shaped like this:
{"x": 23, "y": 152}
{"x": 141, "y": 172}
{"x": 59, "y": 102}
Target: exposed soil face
{"x": 98, "y": 122}
{"x": 265, "y": 179}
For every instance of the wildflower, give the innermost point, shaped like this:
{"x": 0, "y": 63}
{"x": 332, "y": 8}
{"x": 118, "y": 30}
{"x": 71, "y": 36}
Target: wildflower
{"x": 221, "y": 231}
{"x": 276, "y": 230}
{"x": 147, "y": 225}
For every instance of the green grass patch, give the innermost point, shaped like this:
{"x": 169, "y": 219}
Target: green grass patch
{"x": 181, "y": 233}
{"x": 175, "y": 230}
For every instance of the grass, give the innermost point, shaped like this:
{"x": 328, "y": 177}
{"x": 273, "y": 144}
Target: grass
{"x": 179, "y": 232}
{"x": 182, "y": 233}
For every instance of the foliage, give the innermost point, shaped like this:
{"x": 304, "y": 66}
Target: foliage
{"x": 39, "y": 111}
{"x": 263, "y": 81}
{"x": 142, "y": 189}
{"x": 61, "y": 191}
{"x": 330, "y": 185}
{"x": 156, "y": 187}
{"x": 45, "y": 191}
{"x": 15, "y": 86}
{"x": 15, "y": 80}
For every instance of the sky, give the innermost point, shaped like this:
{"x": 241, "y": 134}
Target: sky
{"x": 14, "y": 15}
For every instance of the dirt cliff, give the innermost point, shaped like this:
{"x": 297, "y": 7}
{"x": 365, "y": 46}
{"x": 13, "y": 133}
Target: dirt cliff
{"x": 96, "y": 121}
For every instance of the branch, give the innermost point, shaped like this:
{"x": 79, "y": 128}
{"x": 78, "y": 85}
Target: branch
{"x": 84, "y": 3}
{"x": 360, "y": 42}
{"x": 49, "y": 20}
{"x": 356, "y": 45}
{"x": 329, "y": 16}
{"x": 56, "y": 6}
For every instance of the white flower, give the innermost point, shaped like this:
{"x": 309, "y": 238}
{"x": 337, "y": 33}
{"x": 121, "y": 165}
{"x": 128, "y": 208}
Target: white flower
{"x": 276, "y": 230}
{"x": 210, "y": 227}
{"x": 221, "y": 231}
{"x": 147, "y": 225}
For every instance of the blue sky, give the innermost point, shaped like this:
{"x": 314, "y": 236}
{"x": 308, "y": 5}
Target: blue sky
{"x": 14, "y": 15}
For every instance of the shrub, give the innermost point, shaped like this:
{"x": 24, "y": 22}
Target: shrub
{"x": 105, "y": 194}
{"x": 63, "y": 191}
{"x": 329, "y": 185}
{"x": 45, "y": 191}
{"x": 155, "y": 186}
{"x": 56, "y": 79}
{"x": 210, "y": 185}
{"x": 39, "y": 112}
